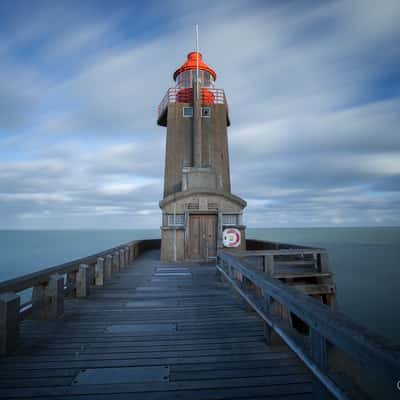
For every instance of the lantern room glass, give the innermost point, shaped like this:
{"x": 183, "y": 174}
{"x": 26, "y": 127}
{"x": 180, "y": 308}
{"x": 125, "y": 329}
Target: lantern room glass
{"x": 186, "y": 79}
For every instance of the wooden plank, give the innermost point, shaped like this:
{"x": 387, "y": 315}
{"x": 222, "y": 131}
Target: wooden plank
{"x": 141, "y": 342}
{"x": 15, "y": 375}
{"x": 132, "y": 361}
{"x": 103, "y": 336}
{"x": 138, "y": 355}
{"x": 149, "y": 350}
{"x": 238, "y": 373}
{"x": 36, "y": 382}
{"x": 46, "y": 380}
{"x": 94, "y": 390}
{"x": 300, "y": 391}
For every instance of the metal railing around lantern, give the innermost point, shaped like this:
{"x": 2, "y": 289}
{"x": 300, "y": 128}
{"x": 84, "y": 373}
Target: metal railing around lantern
{"x": 184, "y": 95}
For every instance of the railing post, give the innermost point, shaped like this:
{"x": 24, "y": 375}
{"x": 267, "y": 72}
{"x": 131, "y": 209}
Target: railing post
{"x": 108, "y": 267}
{"x": 136, "y": 253}
{"x": 319, "y": 355}
{"x": 9, "y": 322}
{"x": 218, "y": 274}
{"x": 267, "y": 328}
{"x": 99, "y": 271}
{"x": 92, "y": 274}
{"x": 115, "y": 261}
{"x": 268, "y": 264}
{"x": 48, "y": 299}
{"x": 129, "y": 254}
{"x": 82, "y": 281}
{"x": 247, "y": 285}
{"x": 225, "y": 266}
{"x": 71, "y": 283}
{"x": 121, "y": 259}
{"x": 127, "y": 262}
{"x": 323, "y": 262}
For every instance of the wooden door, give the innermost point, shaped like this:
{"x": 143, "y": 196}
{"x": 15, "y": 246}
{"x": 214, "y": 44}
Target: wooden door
{"x": 202, "y": 242}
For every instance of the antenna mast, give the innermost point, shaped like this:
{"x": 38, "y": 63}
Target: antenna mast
{"x": 197, "y": 59}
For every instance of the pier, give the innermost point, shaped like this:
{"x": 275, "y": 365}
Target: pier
{"x": 203, "y": 312}
{"x": 121, "y": 324}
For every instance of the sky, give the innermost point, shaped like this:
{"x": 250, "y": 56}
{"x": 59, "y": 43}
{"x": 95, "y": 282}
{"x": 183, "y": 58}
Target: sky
{"x": 314, "y": 98}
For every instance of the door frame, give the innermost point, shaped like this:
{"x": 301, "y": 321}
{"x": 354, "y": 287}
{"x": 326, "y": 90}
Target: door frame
{"x": 188, "y": 213}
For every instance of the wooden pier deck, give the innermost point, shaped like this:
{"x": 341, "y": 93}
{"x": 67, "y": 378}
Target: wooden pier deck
{"x": 153, "y": 331}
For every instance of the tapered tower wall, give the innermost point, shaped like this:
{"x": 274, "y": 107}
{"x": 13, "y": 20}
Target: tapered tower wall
{"x": 179, "y": 147}
{"x": 179, "y": 143}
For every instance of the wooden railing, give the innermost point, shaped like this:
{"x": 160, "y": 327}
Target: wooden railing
{"x": 51, "y": 285}
{"x": 270, "y": 258}
{"x": 327, "y": 329}
{"x": 254, "y": 244}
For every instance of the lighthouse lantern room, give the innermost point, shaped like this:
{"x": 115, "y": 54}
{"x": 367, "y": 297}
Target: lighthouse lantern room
{"x": 199, "y": 212}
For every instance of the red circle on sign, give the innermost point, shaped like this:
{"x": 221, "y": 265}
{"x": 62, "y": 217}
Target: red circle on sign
{"x": 231, "y": 232}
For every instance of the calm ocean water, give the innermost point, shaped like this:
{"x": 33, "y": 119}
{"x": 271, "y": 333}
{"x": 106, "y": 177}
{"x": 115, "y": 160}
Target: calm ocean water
{"x": 365, "y": 262}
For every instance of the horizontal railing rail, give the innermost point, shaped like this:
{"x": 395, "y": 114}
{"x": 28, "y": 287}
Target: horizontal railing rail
{"x": 173, "y": 95}
{"x": 42, "y": 276}
{"x": 255, "y": 244}
{"x": 51, "y": 285}
{"x": 316, "y": 257}
{"x": 325, "y": 325}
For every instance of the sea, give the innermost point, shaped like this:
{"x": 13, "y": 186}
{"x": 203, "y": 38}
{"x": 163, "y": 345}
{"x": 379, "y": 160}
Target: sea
{"x": 365, "y": 262}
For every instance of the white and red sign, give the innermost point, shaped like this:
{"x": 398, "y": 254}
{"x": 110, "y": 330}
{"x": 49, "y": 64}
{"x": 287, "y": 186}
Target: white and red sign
{"x": 231, "y": 237}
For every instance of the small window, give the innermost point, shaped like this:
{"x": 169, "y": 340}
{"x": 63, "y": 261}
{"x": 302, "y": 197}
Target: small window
{"x": 176, "y": 219}
{"x": 229, "y": 219}
{"x": 187, "y": 112}
{"x": 208, "y": 80}
{"x": 206, "y": 112}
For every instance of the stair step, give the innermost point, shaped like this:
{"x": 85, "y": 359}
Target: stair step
{"x": 316, "y": 289}
{"x": 302, "y": 274}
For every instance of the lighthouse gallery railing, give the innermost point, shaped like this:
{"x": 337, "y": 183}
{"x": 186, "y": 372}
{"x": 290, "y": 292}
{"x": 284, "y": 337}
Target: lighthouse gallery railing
{"x": 172, "y": 97}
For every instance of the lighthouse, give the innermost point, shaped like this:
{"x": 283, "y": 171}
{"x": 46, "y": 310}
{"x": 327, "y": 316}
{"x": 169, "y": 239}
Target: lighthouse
{"x": 199, "y": 212}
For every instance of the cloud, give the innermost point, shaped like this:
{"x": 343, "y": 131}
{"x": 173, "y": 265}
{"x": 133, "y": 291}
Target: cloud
{"x": 313, "y": 95}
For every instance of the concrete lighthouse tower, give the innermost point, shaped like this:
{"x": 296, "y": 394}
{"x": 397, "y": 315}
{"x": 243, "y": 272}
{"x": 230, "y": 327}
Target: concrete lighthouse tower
{"x": 200, "y": 214}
